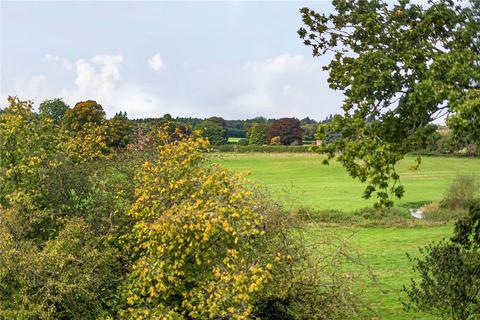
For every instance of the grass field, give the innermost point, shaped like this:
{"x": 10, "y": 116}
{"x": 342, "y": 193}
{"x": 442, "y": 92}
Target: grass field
{"x": 302, "y": 180}
{"x": 384, "y": 250}
{"x": 298, "y": 180}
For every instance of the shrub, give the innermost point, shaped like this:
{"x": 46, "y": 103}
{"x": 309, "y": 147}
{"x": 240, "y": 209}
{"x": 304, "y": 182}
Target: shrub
{"x": 275, "y": 141}
{"x": 242, "y": 142}
{"x": 195, "y": 226}
{"x": 267, "y": 149}
{"x": 461, "y": 194}
{"x": 207, "y": 247}
{"x": 449, "y": 273}
{"x": 28, "y": 145}
{"x": 67, "y": 277}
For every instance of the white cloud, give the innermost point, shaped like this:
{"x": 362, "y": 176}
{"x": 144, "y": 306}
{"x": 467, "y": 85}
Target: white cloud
{"x": 98, "y": 78}
{"x": 285, "y": 85}
{"x": 280, "y": 64}
{"x": 156, "y": 62}
{"x": 49, "y": 58}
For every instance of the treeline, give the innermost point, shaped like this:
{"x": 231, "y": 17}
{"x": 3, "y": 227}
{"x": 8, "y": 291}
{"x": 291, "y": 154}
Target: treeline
{"x": 138, "y": 134}
{"x": 241, "y": 128}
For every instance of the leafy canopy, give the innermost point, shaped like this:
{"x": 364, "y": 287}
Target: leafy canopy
{"x": 400, "y": 67}
{"x": 54, "y": 109}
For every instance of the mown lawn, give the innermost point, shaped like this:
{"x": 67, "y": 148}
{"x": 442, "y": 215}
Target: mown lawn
{"x": 302, "y": 180}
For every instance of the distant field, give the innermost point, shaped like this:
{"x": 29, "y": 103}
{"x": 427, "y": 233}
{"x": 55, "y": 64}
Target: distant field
{"x": 233, "y": 139}
{"x": 301, "y": 179}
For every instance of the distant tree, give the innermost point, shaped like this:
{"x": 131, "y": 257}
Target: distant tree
{"x": 449, "y": 271}
{"x": 309, "y": 131}
{"x": 119, "y": 131}
{"x": 257, "y": 134}
{"x": 213, "y": 132}
{"x": 85, "y": 112}
{"x": 307, "y": 120}
{"x": 288, "y": 129}
{"x": 400, "y": 67}
{"x": 54, "y": 109}
{"x": 220, "y": 122}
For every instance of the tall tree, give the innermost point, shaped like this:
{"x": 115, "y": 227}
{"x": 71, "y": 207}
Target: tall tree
{"x": 400, "y": 67}
{"x": 257, "y": 135}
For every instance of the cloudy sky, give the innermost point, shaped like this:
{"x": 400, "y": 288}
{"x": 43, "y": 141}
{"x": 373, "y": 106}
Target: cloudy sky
{"x": 232, "y": 59}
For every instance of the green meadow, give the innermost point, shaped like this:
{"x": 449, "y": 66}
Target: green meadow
{"x": 299, "y": 180}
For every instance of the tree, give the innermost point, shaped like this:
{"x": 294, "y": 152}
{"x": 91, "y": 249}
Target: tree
{"x": 449, "y": 273}
{"x": 213, "y": 132}
{"x": 309, "y": 131}
{"x": 400, "y": 67}
{"x": 257, "y": 135}
{"x": 119, "y": 131}
{"x": 85, "y": 112}
{"x": 288, "y": 129}
{"x": 54, "y": 109}
{"x": 86, "y": 132}
{"x": 28, "y": 146}
{"x": 222, "y": 123}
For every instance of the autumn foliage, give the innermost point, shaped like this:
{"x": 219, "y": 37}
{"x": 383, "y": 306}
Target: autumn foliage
{"x": 87, "y": 232}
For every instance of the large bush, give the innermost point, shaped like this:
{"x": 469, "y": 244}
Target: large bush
{"x": 195, "y": 227}
{"x": 461, "y": 194}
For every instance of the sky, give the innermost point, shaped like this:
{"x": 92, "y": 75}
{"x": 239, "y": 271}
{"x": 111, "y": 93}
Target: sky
{"x": 236, "y": 60}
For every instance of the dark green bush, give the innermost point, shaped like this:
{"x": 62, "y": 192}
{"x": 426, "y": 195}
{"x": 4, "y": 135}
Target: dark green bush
{"x": 242, "y": 142}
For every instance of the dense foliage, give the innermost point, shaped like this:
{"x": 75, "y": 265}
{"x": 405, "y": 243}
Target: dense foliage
{"x": 287, "y": 129}
{"x": 449, "y": 273}
{"x": 257, "y": 134}
{"x": 54, "y": 109}
{"x": 215, "y": 133}
{"x": 146, "y": 235}
{"x": 119, "y": 131}
{"x": 400, "y": 67}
